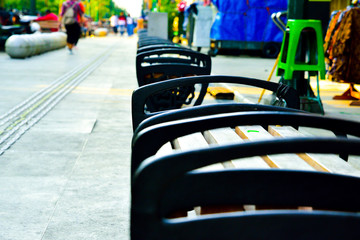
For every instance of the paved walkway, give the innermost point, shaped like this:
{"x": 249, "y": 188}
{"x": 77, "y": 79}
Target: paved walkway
{"x": 68, "y": 176}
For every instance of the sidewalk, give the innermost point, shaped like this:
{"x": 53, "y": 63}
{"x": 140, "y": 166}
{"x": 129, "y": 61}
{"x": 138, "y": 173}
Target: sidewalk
{"x": 68, "y": 177}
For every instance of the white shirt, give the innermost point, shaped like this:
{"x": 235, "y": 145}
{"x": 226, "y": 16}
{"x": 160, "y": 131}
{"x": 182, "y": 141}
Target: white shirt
{"x": 114, "y": 21}
{"x": 129, "y": 21}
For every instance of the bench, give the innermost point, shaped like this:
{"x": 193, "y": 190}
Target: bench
{"x": 140, "y": 96}
{"x": 166, "y": 183}
{"x": 231, "y": 146}
{"x": 158, "y": 47}
{"x": 145, "y": 40}
{"x": 163, "y": 64}
{"x": 237, "y": 170}
{"x": 171, "y": 63}
{"x": 47, "y": 26}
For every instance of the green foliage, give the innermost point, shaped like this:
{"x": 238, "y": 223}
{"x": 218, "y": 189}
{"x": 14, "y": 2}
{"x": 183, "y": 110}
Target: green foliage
{"x": 168, "y": 6}
{"x": 97, "y": 9}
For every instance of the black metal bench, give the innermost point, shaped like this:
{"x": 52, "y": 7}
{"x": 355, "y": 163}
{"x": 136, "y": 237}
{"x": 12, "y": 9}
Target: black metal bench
{"x": 167, "y": 184}
{"x": 160, "y": 65}
{"x": 158, "y": 47}
{"x": 145, "y": 40}
{"x": 140, "y": 97}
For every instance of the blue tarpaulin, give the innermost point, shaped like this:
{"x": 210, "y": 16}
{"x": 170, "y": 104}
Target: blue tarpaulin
{"x": 247, "y": 20}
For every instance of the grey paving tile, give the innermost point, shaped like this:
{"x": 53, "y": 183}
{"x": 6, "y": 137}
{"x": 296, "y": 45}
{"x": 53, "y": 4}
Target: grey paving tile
{"x": 27, "y": 204}
{"x": 35, "y": 163}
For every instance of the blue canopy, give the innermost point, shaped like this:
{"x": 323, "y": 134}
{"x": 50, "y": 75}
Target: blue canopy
{"x": 247, "y": 20}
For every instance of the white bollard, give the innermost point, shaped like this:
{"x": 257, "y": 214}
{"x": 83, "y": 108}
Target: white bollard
{"x": 27, "y": 45}
{"x": 101, "y": 32}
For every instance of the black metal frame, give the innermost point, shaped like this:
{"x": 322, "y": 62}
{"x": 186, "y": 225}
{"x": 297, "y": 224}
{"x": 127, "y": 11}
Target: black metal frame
{"x": 182, "y": 62}
{"x": 163, "y": 64}
{"x": 140, "y": 96}
{"x": 158, "y": 47}
{"x": 206, "y": 110}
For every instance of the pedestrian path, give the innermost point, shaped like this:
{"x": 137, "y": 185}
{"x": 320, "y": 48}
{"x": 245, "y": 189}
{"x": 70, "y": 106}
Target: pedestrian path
{"x": 68, "y": 176}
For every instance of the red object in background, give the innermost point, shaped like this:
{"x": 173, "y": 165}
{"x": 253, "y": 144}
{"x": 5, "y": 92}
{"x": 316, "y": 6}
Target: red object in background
{"x": 181, "y": 6}
{"x": 47, "y": 17}
{"x": 207, "y": 2}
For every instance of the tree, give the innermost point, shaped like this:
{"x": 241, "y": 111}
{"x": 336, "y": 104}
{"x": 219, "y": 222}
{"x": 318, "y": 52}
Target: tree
{"x": 97, "y": 9}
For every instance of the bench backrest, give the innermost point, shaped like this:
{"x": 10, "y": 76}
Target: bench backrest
{"x": 158, "y": 47}
{"x": 141, "y": 96}
{"x": 206, "y": 110}
{"x": 170, "y": 63}
{"x": 163, "y": 64}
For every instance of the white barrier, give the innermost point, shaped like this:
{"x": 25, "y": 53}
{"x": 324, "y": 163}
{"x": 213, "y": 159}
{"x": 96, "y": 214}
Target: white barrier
{"x": 101, "y": 32}
{"x": 27, "y": 45}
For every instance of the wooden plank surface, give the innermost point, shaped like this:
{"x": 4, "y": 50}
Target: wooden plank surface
{"x": 195, "y": 141}
{"x": 311, "y": 162}
{"x": 226, "y": 136}
{"x": 288, "y": 161}
{"x": 303, "y": 161}
{"x": 321, "y": 162}
{"x": 165, "y": 150}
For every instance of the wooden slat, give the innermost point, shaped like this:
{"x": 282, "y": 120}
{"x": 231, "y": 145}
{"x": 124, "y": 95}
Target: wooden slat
{"x": 322, "y": 162}
{"x": 288, "y": 161}
{"x": 195, "y": 141}
{"x": 226, "y": 136}
{"x": 165, "y": 150}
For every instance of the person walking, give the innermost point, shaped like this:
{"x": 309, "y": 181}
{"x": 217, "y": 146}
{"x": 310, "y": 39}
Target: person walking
{"x": 129, "y": 25}
{"x": 49, "y": 16}
{"x": 114, "y": 23}
{"x": 71, "y": 17}
{"x": 122, "y": 23}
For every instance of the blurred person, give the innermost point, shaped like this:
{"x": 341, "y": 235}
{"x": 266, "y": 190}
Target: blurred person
{"x": 129, "y": 25}
{"x": 5, "y": 17}
{"x": 15, "y": 17}
{"x": 114, "y": 23}
{"x": 71, "y": 17}
{"x": 122, "y": 23}
{"x": 140, "y": 23}
{"x": 82, "y": 21}
{"x": 86, "y": 25}
{"x": 49, "y": 16}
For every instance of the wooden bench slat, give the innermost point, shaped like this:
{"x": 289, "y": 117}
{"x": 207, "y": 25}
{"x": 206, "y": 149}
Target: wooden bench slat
{"x": 165, "y": 150}
{"x": 288, "y": 161}
{"x": 194, "y": 141}
{"x": 226, "y": 136}
{"x": 322, "y": 162}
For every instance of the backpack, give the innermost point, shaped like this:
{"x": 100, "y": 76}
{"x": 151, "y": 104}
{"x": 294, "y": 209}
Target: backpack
{"x": 68, "y": 17}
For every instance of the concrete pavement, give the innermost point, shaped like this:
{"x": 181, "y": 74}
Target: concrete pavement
{"x": 68, "y": 177}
